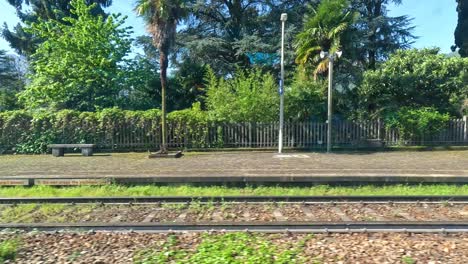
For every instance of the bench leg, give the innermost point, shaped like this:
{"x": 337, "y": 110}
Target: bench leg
{"x": 57, "y": 152}
{"x": 87, "y": 152}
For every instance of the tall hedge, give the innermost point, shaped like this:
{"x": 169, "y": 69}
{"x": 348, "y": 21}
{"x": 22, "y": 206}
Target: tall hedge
{"x": 31, "y": 132}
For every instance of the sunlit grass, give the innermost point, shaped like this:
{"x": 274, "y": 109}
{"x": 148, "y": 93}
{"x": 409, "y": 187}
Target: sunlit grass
{"x": 190, "y": 190}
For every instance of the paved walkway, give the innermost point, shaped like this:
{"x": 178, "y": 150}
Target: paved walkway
{"x": 245, "y": 166}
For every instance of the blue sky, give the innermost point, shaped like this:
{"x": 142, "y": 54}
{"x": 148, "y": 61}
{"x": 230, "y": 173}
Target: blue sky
{"x": 435, "y": 20}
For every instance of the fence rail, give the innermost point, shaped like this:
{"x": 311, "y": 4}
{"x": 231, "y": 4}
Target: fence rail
{"x": 147, "y": 135}
{"x": 265, "y": 135}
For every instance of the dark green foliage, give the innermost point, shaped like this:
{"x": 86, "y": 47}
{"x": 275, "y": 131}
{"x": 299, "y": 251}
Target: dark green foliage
{"x": 140, "y": 85}
{"x": 420, "y": 122}
{"x": 324, "y": 27}
{"x": 78, "y": 66}
{"x": 461, "y": 32}
{"x": 11, "y": 82}
{"x": 222, "y": 34}
{"x": 190, "y": 79}
{"x": 306, "y": 100}
{"x": 415, "y": 78}
{"x": 31, "y": 132}
{"x": 30, "y": 11}
{"x": 377, "y": 35}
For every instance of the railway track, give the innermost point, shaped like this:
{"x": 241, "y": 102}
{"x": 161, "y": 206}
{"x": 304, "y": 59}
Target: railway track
{"x": 444, "y": 214}
{"x": 271, "y": 227}
{"x": 237, "y": 199}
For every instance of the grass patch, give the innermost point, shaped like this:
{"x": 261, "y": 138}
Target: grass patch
{"x": 223, "y": 248}
{"x": 190, "y": 190}
{"x": 17, "y": 213}
{"x": 8, "y": 249}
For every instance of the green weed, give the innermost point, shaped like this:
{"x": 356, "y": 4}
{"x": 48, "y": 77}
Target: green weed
{"x": 8, "y": 250}
{"x": 235, "y": 248}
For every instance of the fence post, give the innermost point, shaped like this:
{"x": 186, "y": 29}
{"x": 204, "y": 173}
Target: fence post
{"x": 465, "y": 120}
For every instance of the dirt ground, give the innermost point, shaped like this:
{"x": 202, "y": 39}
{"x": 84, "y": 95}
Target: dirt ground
{"x": 405, "y": 163}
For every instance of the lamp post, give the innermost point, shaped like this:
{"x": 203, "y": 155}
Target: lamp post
{"x": 331, "y": 59}
{"x": 284, "y": 17}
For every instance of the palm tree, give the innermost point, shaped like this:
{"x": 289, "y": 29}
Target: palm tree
{"x": 323, "y": 29}
{"x": 161, "y": 17}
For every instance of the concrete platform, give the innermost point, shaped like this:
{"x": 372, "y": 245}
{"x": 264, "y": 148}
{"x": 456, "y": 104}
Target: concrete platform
{"x": 238, "y": 167}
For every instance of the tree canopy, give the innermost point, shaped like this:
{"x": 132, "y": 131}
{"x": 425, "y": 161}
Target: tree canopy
{"x": 415, "y": 78}
{"x": 78, "y": 66}
{"x": 461, "y": 32}
{"x": 30, "y": 11}
{"x": 11, "y": 81}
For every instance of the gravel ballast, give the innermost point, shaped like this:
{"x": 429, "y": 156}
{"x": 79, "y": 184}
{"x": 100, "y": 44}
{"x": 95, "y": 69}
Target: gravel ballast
{"x": 319, "y": 248}
{"x": 233, "y": 212}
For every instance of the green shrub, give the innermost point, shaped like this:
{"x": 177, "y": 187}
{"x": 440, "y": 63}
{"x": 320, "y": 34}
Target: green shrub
{"x": 31, "y": 132}
{"x": 250, "y": 96}
{"x": 8, "y": 250}
{"x": 422, "y": 122}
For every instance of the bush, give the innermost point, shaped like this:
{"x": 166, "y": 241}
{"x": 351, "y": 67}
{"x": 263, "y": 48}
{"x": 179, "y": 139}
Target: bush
{"x": 306, "y": 99}
{"x": 31, "y": 132}
{"x": 250, "y": 96}
{"x": 8, "y": 249}
{"x": 422, "y": 122}
{"x": 415, "y": 78}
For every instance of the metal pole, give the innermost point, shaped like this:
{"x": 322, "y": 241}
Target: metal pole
{"x": 284, "y": 17}
{"x": 330, "y": 93}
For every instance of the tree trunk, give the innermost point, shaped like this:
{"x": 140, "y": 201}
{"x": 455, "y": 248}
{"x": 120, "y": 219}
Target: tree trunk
{"x": 163, "y": 75}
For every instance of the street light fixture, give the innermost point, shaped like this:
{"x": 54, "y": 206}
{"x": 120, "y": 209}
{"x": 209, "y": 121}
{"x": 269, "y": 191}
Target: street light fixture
{"x": 283, "y": 19}
{"x": 331, "y": 59}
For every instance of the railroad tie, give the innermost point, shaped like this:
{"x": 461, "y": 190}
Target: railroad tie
{"x": 395, "y": 211}
{"x": 116, "y": 219}
{"x": 217, "y": 216}
{"x": 374, "y": 214}
{"x": 344, "y": 217}
{"x": 149, "y": 217}
{"x": 181, "y": 217}
{"x": 308, "y": 213}
{"x": 279, "y": 216}
{"x": 246, "y": 215}
{"x": 26, "y": 215}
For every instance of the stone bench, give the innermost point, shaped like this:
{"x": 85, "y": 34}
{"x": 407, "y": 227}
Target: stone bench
{"x": 58, "y": 149}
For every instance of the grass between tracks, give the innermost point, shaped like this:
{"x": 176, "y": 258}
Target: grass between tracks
{"x": 189, "y": 190}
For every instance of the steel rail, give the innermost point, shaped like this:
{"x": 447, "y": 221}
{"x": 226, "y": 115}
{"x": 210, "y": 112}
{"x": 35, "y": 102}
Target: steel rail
{"x": 236, "y": 199}
{"x": 319, "y": 227}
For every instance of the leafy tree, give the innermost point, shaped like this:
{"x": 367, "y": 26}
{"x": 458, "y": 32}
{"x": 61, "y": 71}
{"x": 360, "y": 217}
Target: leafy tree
{"x": 190, "y": 77}
{"x": 415, "y": 79}
{"x": 25, "y": 42}
{"x": 227, "y": 34}
{"x": 250, "y": 96}
{"x": 377, "y": 35}
{"x": 186, "y": 80}
{"x": 141, "y": 86}
{"x": 162, "y": 17}
{"x": 306, "y": 99}
{"x": 461, "y": 32}
{"x": 78, "y": 66}
{"x": 11, "y": 82}
{"x": 323, "y": 30}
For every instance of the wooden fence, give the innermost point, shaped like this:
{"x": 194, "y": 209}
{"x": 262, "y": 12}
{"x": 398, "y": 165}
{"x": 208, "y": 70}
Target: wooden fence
{"x": 306, "y": 135}
{"x": 265, "y": 135}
